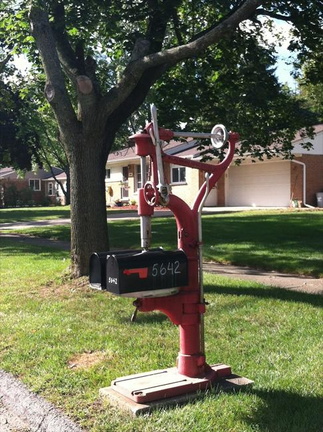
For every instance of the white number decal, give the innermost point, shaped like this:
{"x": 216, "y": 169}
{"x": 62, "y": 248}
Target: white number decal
{"x": 177, "y": 271}
{"x": 162, "y": 269}
{"x": 154, "y": 272}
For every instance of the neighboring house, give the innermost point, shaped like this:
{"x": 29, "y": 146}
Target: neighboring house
{"x": 55, "y": 185}
{"x": 31, "y": 188}
{"x": 123, "y": 174}
{"x": 270, "y": 183}
{"x": 279, "y": 182}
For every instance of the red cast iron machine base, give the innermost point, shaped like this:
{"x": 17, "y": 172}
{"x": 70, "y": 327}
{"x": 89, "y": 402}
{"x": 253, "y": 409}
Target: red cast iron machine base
{"x": 186, "y": 308}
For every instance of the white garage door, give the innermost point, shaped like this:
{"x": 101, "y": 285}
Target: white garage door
{"x": 259, "y": 184}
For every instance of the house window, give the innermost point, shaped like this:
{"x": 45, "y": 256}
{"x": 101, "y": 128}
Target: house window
{"x": 107, "y": 173}
{"x": 178, "y": 174}
{"x": 50, "y": 189}
{"x": 125, "y": 188}
{"x": 138, "y": 178}
{"x": 57, "y": 189}
{"x": 125, "y": 173}
{"x": 34, "y": 184}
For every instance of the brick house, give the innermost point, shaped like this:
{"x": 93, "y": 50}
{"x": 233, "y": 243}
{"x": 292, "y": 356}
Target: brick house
{"x": 31, "y": 188}
{"x": 271, "y": 183}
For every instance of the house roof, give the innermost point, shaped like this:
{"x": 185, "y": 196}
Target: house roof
{"x": 186, "y": 149}
{"x": 178, "y": 148}
{"x": 55, "y": 171}
{"x": 299, "y": 135}
{"x": 183, "y": 149}
{"x": 9, "y": 172}
{"x": 6, "y": 172}
{"x": 60, "y": 176}
{"x": 123, "y": 154}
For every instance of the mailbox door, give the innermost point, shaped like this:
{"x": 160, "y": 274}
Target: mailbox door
{"x": 97, "y": 276}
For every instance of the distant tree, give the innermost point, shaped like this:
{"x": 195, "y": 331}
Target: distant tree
{"x": 28, "y": 133}
{"x": 50, "y": 151}
{"x": 312, "y": 95}
{"x": 310, "y": 78}
{"x": 18, "y": 144}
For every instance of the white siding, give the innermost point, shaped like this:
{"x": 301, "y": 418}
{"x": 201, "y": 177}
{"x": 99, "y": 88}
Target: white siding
{"x": 212, "y": 198}
{"x": 259, "y": 184}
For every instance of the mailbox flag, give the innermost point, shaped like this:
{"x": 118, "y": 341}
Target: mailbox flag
{"x": 142, "y": 272}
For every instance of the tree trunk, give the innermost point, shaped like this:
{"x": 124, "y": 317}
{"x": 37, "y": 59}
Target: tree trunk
{"x": 87, "y": 170}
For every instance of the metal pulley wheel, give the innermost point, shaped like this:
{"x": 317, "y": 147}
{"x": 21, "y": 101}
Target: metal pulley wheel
{"x": 219, "y": 136}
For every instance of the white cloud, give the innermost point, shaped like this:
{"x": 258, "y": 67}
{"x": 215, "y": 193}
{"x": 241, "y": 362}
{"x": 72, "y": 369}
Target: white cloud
{"x": 279, "y": 35}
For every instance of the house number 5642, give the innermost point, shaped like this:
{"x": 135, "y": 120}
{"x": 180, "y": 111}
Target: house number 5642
{"x": 171, "y": 267}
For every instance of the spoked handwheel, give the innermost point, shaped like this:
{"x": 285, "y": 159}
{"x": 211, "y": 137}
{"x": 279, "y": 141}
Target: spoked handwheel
{"x": 150, "y": 194}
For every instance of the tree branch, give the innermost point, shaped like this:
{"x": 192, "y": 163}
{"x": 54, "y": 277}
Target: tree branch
{"x": 72, "y": 64}
{"x": 4, "y": 62}
{"x": 135, "y": 70}
{"x": 80, "y": 71}
{"x": 176, "y": 27}
{"x": 55, "y": 89}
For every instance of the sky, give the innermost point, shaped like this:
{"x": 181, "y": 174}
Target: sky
{"x": 283, "y": 73}
{"x": 284, "y": 69}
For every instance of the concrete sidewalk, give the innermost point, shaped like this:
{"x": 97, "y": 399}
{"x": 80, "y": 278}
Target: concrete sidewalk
{"x": 66, "y": 221}
{"x": 309, "y": 285}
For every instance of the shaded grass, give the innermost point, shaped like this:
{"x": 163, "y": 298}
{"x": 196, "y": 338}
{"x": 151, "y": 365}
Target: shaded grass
{"x": 286, "y": 241}
{"x": 53, "y": 232}
{"x": 269, "y": 335}
{"x": 33, "y": 213}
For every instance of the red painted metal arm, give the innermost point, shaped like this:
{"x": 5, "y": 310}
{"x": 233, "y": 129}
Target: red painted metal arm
{"x": 218, "y": 170}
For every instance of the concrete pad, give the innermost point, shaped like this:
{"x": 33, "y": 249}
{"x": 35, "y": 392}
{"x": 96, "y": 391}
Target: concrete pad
{"x": 231, "y": 383}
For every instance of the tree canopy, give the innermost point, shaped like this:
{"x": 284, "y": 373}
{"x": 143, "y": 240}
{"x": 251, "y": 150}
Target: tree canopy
{"x": 97, "y": 61}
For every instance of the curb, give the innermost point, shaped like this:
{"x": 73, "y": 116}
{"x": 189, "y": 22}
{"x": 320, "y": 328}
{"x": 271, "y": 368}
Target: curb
{"x": 30, "y": 409}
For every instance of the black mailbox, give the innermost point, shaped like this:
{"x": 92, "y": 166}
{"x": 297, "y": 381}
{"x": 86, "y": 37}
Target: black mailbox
{"x": 146, "y": 274}
{"x": 98, "y": 262}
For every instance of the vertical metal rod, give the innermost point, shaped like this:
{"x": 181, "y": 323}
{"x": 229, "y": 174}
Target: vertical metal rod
{"x": 145, "y": 221}
{"x": 200, "y": 261}
{"x": 158, "y": 143}
{"x": 143, "y": 170}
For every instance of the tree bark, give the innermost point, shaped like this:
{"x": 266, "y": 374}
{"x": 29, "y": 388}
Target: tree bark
{"x": 89, "y": 231}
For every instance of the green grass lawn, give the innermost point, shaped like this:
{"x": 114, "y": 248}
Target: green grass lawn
{"x": 66, "y": 341}
{"x": 289, "y": 241}
{"x": 33, "y": 213}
